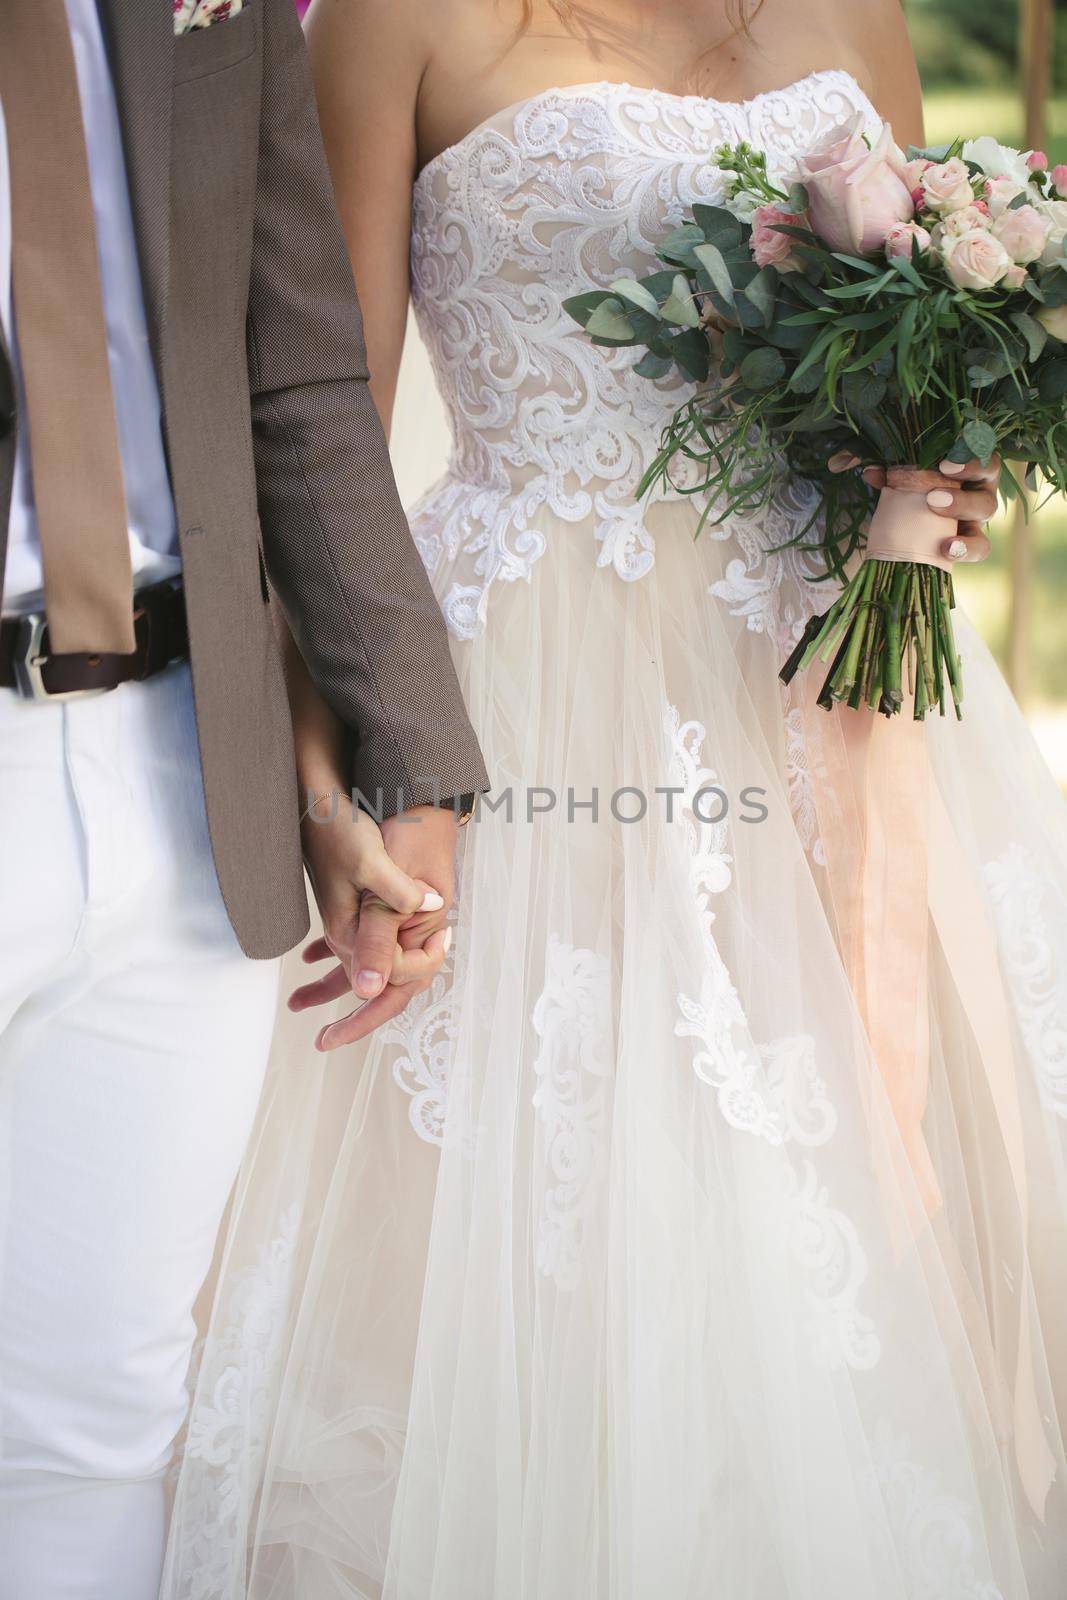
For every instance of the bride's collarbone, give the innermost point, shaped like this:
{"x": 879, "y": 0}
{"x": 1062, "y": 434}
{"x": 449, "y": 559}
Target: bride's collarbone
{"x": 457, "y": 97}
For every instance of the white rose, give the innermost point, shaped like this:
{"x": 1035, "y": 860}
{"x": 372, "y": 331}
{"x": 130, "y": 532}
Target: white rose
{"x": 1023, "y": 233}
{"x": 976, "y": 260}
{"x": 947, "y": 187}
{"x": 999, "y": 194}
{"x": 958, "y": 222}
{"x": 997, "y": 160}
{"x": 1056, "y": 212}
{"x": 1054, "y": 318}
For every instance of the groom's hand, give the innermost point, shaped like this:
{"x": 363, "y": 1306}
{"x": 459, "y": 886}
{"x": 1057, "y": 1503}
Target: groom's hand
{"x": 384, "y": 897}
{"x": 379, "y": 923}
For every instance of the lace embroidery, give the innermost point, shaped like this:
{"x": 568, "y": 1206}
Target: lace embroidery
{"x": 426, "y": 1033}
{"x": 229, "y": 1424}
{"x": 570, "y": 189}
{"x": 1020, "y": 896}
{"x": 772, "y": 1092}
{"x": 933, "y": 1534}
{"x": 801, "y": 783}
{"x": 572, "y": 1018}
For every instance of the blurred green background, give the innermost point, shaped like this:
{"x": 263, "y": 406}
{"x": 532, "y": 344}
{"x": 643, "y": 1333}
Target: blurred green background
{"x": 973, "y": 59}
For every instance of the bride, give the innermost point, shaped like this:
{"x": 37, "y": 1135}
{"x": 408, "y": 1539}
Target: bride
{"x": 646, "y": 1256}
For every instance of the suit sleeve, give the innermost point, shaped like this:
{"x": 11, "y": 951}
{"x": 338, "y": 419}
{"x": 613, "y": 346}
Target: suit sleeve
{"x": 338, "y": 548}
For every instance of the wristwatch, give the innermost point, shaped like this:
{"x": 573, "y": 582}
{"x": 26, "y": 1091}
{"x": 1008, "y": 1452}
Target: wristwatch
{"x": 462, "y": 804}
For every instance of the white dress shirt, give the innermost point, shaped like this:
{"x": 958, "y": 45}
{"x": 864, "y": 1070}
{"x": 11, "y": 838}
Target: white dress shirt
{"x": 150, "y": 505}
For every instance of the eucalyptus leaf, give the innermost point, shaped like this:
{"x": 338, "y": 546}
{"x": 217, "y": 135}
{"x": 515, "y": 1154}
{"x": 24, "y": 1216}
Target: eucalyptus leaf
{"x": 1053, "y": 281}
{"x": 1035, "y": 335}
{"x": 1052, "y": 380}
{"x": 763, "y": 293}
{"x": 982, "y": 378}
{"x": 936, "y": 152}
{"x": 711, "y": 259}
{"x": 637, "y": 294}
{"x": 719, "y": 226}
{"x": 815, "y": 418}
{"x": 690, "y": 350}
{"x": 734, "y": 344}
{"x": 653, "y": 366}
{"x": 679, "y": 245}
{"x": 680, "y": 306}
{"x": 981, "y": 440}
{"x": 609, "y": 321}
{"x": 798, "y": 199}
{"x": 809, "y": 381}
{"x": 659, "y": 284}
{"x": 863, "y": 391}
{"x": 762, "y": 368}
{"x": 582, "y": 306}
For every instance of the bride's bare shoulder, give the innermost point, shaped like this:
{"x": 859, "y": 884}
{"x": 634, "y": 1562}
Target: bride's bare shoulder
{"x": 386, "y": 39}
{"x": 871, "y": 42}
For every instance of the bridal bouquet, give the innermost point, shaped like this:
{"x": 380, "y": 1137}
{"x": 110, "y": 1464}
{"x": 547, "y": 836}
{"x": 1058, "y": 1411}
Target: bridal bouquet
{"x": 908, "y": 308}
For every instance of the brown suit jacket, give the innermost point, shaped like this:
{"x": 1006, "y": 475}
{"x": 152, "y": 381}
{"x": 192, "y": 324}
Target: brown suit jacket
{"x": 277, "y": 458}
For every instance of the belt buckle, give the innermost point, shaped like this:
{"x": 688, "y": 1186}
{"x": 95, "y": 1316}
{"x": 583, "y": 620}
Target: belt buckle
{"x": 30, "y": 660}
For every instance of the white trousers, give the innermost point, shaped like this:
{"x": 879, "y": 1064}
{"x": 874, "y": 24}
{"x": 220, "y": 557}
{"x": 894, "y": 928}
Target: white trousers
{"x": 133, "y": 1040}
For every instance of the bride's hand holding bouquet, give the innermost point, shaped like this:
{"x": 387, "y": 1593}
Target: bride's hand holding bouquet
{"x": 889, "y": 325}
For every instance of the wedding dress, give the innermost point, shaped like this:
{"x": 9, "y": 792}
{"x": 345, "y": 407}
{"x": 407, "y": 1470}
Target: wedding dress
{"x": 605, "y": 1273}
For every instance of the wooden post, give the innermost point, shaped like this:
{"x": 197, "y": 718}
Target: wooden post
{"x": 1035, "y": 55}
{"x": 1036, "y": 23}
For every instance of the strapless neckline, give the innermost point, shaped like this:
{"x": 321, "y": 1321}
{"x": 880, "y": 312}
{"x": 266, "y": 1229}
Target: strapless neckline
{"x": 490, "y": 124}
{"x": 567, "y": 190}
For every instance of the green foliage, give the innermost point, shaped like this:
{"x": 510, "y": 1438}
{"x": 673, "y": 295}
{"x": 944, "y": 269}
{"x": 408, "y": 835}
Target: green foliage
{"x": 887, "y": 359}
{"x": 975, "y": 41}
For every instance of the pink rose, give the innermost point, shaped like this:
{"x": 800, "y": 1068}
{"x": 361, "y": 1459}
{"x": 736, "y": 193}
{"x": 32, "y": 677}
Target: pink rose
{"x": 769, "y": 247}
{"x": 1059, "y": 180}
{"x": 1037, "y": 161}
{"x": 947, "y": 187}
{"x": 960, "y": 222}
{"x": 913, "y": 171}
{"x": 1014, "y": 278}
{"x": 975, "y": 260}
{"x": 856, "y": 195}
{"x": 1000, "y": 192}
{"x": 899, "y": 240}
{"x": 1023, "y": 233}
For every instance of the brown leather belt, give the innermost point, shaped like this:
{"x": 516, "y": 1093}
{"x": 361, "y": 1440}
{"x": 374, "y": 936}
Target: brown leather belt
{"x": 159, "y": 628}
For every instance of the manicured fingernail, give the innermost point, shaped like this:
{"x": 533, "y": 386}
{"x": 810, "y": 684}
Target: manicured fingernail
{"x": 939, "y": 499}
{"x": 953, "y": 469}
{"x": 957, "y": 550}
{"x": 370, "y": 983}
{"x": 447, "y": 940}
{"x": 323, "y": 1040}
{"x": 432, "y": 902}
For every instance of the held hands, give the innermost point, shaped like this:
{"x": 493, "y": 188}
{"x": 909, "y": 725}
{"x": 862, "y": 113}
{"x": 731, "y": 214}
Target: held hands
{"x": 384, "y": 896}
{"x": 962, "y": 493}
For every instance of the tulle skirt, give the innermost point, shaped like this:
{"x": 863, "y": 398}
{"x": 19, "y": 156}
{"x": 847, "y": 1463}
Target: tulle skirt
{"x": 612, "y": 1271}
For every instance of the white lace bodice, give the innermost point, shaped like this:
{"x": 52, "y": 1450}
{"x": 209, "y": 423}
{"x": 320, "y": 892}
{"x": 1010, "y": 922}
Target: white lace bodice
{"x": 562, "y": 193}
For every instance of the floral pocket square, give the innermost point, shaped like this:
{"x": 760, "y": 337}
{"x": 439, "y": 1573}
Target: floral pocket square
{"x": 190, "y": 14}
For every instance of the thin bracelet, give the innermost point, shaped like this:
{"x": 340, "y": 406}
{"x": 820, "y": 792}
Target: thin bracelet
{"x": 332, "y": 794}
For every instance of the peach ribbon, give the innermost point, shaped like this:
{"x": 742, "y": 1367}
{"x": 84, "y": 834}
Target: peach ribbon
{"x": 904, "y": 528}
{"x": 894, "y": 868}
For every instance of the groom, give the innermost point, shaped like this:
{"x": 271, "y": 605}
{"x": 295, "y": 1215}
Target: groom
{"x": 184, "y": 417}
